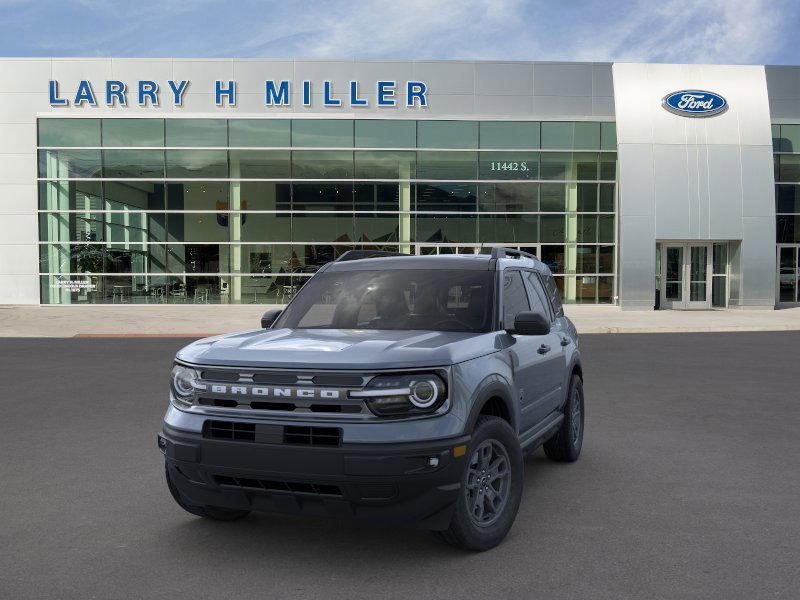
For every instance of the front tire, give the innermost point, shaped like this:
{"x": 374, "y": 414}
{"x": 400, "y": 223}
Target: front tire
{"x": 207, "y": 512}
{"x": 491, "y": 488}
{"x": 566, "y": 444}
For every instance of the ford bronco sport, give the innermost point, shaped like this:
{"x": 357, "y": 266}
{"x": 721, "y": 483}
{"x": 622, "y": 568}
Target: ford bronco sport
{"x": 392, "y": 387}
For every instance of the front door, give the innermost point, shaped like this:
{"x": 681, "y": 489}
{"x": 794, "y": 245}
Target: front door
{"x": 686, "y": 276}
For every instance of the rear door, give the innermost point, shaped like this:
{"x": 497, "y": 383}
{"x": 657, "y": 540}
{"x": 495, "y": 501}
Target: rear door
{"x": 555, "y": 371}
{"x": 528, "y": 360}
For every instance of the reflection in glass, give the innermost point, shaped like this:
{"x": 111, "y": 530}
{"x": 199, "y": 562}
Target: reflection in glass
{"x": 382, "y": 196}
{"x": 199, "y": 164}
{"x": 787, "y": 198}
{"x": 789, "y": 169}
{"x": 552, "y": 228}
{"x": 70, "y": 195}
{"x": 259, "y": 133}
{"x": 508, "y": 197}
{"x": 122, "y": 164}
{"x": 377, "y": 227}
{"x": 608, "y": 166}
{"x": 606, "y": 197}
{"x": 587, "y": 197}
{"x": 385, "y": 133}
{"x": 133, "y": 132}
{"x": 513, "y": 228}
{"x": 446, "y": 228}
{"x": 608, "y": 136}
{"x": 447, "y": 134}
{"x": 318, "y": 196}
{"x": 509, "y": 134}
{"x": 260, "y": 164}
{"x": 198, "y": 195}
{"x": 69, "y": 132}
{"x": 321, "y": 164}
{"x": 264, "y": 227}
{"x": 197, "y": 227}
{"x": 585, "y": 166}
{"x": 553, "y": 197}
{"x": 447, "y": 165}
{"x": 460, "y": 197}
{"x": 385, "y": 165}
{"x": 262, "y": 195}
{"x": 196, "y": 132}
{"x": 62, "y": 164}
{"x": 322, "y": 133}
{"x": 556, "y": 165}
{"x": 788, "y": 229}
{"x": 586, "y": 259}
{"x": 323, "y": 227}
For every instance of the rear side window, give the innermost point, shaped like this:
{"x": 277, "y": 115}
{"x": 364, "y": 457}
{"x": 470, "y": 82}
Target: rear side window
{"x": 515, "y": 298}
{"x": 552, "y": 292}
{"x": 539, "y": 302}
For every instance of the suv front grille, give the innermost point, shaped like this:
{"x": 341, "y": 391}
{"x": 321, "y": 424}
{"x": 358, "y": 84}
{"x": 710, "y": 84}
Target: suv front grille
{"x": 344, "y": 407}
{"x": 287, "y": 487}
{"x": 273, "y": 434}
{"x": 312, "y": 436}
{"x": 231, "y": 430}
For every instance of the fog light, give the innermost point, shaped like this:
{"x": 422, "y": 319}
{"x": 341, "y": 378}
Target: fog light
{"x": 433, "y": 461}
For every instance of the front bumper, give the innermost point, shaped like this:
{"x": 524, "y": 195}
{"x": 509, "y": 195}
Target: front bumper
{"x": 394, "y": 482}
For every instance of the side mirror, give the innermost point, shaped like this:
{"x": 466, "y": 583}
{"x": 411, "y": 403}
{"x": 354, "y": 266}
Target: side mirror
{"x": 269, "y": 317}
{"x": 531, "y": 323}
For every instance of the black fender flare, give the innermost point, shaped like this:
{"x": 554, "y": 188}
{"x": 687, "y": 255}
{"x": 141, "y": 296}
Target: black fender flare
{"x": 494, "y": 386}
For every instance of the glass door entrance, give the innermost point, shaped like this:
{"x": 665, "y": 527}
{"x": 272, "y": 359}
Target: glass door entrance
{"x": 686, "y": 275}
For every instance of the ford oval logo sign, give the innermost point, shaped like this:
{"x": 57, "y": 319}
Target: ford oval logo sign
{"x": 695, "y": 103}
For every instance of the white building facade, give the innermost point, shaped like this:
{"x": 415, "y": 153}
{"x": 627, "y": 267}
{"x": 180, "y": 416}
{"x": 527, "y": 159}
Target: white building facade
{"x": 231, "y": 181}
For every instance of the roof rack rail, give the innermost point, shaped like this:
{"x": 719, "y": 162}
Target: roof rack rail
{"x": 359, "y": 254}
{"x": 503, "y": 252}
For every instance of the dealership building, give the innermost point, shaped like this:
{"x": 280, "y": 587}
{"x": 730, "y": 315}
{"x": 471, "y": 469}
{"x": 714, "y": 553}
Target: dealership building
{"x": 151, "y": 181}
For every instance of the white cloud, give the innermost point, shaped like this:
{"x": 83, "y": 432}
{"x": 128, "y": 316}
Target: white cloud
{"x": 713, "y": 31}
{"x": 401, "y": 29}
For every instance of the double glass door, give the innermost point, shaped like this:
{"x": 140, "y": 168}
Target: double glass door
{"x": 686, "y": 275}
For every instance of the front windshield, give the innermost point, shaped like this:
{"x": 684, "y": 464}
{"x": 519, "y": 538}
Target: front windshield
{"x": 432, "y": 300}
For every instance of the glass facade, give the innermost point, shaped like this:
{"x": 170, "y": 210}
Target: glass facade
{"x": 245, "y": 210}
{"x": 786, "y": 149}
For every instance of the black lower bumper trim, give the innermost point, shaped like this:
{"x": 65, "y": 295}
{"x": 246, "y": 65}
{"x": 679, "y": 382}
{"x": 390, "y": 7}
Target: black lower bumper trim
{"x": 398, "y": 482}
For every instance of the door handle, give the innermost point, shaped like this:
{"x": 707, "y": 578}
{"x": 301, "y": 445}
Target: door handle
{"x": 543, "y": 349}
{"x": 565, "y": 341}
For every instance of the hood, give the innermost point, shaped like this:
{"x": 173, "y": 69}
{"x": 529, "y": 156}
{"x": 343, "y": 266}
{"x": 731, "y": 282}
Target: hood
{"x": 339, "y": 348}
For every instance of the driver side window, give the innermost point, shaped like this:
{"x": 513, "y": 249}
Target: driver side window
{"x": 515, "y": 298}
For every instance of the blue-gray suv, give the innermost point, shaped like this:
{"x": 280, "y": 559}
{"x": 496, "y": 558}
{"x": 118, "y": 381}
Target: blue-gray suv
{"x": 392, "y": 387}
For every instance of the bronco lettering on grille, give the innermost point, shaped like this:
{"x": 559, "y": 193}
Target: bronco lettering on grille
{"x": 273, "y": 392}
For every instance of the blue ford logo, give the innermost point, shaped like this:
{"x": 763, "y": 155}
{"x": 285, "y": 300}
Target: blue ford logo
{"x": 695, "y": 103}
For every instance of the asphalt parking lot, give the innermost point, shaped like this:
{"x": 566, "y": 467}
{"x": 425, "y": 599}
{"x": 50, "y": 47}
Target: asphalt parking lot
{"x": 688, "y": 487}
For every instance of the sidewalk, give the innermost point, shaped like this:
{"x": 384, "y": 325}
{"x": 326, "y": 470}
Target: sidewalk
{"x": 199, "y": 321}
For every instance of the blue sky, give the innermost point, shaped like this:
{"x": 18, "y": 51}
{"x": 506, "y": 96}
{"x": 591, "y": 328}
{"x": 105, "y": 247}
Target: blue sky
{"x": 688, "y": 31}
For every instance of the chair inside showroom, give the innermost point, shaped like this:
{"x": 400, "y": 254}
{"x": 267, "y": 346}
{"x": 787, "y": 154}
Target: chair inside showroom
{"x": 201, "y": 293}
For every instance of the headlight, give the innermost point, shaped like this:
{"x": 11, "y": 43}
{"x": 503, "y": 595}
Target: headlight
{"x": 183, "y": 380}
{"x": 396, "y": 395}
